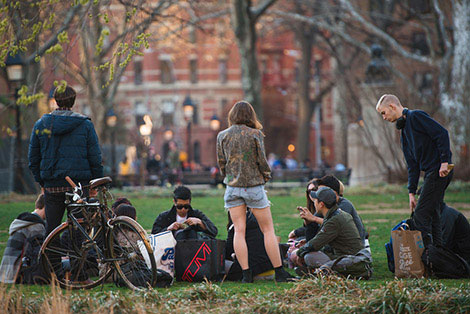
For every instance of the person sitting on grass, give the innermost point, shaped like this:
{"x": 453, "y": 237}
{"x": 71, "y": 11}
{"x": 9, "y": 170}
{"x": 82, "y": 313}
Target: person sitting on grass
{"x": 26, "y": 230}
{"x": 338, "y": 234}
{"x": 258, "y": 259}
{"x": 184, "y": 221}
{"x": 126, "y": 210}
{"x": 309, "y": 216}
{"x": 119, "y": 201}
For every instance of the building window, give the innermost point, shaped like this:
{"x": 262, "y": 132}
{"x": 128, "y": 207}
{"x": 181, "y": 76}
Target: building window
{"x": 137, "y": 72}
{"x": 424, "y": 82}
{"x": 193, "y": 70}
{"x": 223, "y": 71}
{"x": 223, "y": 104}
{"x": 297, "y": 71}
{"x": 419, "y": 44}
{"x": 166, "y": 71}
{"x": 197, "y": 152}
{"x": 168, "y": 110}
{"x": 140, "y": 111}
{"x": 192, "y": 34}
{"x": 196, "y": 113}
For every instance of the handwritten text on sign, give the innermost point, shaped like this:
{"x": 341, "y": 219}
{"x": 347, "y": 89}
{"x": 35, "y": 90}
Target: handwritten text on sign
{"x": 406, "y": 259}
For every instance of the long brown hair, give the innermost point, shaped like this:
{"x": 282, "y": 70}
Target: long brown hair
{"x": 310, "y": 204}
{"x": 243, "y": 113}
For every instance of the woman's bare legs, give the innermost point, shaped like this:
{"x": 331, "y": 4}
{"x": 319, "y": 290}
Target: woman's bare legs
{"x": 265, "y": 221}
{"x": 238, "y": 215}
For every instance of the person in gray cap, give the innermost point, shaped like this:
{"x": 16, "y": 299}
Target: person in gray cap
{"x": 338, "y": 234}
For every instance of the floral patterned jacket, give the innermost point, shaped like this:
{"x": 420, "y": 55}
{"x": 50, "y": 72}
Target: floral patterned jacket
{"x": 241, "y": 156}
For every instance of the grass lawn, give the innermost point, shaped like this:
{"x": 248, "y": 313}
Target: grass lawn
{"x": 381, "y": 208}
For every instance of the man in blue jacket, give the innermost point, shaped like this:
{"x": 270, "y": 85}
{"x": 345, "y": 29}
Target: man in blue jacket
{"x": 63, "y": 143}
{"x": 426, "y": 147}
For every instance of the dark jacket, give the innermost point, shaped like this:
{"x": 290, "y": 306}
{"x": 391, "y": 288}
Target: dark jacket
{"x": 348, "y": 207}
{"x": 241, "y": 156}
{"x": 165, "y": 219}
{"x": 425, "y": 144}
{"x": 64, "y": 143}
{"x": 258, "y": 259}
{"x": 339, "y": 232}
{"x": 310, "y": 230}
{"x": 455, "y": 231}
{"x": 25, "y": 226}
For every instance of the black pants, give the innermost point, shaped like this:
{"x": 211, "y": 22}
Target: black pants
{"x": 427, "y": 214}
{"x": 55, "y": 208}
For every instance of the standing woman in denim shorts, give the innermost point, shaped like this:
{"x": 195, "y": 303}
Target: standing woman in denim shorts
{"x": 242, "y": 160}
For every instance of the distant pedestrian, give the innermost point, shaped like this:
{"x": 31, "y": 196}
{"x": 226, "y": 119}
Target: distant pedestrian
{"x": 242, "y": 160}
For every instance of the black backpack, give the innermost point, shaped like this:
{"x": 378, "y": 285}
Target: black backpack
{"x": 441, "y": 262}
{"x": 137, "y": 272}
{"x": 31, "y": 270}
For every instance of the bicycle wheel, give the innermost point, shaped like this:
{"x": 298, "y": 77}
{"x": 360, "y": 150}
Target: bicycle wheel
{"x": 133, "y": 256}
{"x": 71, "y": 259}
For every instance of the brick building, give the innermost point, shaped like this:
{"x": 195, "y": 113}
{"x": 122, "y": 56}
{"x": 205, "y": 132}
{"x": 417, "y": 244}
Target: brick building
{"x": 206, "y": 69}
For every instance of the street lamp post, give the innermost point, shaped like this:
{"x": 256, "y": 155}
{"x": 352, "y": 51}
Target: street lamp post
{"x": 145, "y": 130}
{"x": 111, "y": 121}
{"x": 14, "y": 66}
{"x": 215, "y": 126}
{"x": 188, "y": 111}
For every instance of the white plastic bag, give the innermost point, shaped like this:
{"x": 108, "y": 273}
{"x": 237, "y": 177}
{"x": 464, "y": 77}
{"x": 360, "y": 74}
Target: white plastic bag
{"x": 163, "y": 245}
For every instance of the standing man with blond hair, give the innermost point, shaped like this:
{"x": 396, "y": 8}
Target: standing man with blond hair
{"x": 426, "y": 147}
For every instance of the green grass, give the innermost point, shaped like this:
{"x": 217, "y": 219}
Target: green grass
{"x": 380, "y": 208}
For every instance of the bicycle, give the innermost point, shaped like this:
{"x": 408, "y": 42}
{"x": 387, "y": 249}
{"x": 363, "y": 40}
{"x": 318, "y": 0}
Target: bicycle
{"x": 92, "y": 244}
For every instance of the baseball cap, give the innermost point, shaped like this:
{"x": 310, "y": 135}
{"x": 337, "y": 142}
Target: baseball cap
{"x": 324, "y": 194}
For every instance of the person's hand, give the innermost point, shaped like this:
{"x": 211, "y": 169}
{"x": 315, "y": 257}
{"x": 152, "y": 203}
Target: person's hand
{"x": 306, "y": 215}
{"x": 292, "y": 235}
{"x": 412, "y": 202}
{"x": 301, "y": 243}
{"x": 193, "y": 221}
{"x": 175, "y": 226}
{"x": 444, "y": 170}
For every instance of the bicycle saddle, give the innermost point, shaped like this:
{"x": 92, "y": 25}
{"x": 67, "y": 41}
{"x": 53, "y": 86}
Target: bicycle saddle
{"x": 100, "y": 181}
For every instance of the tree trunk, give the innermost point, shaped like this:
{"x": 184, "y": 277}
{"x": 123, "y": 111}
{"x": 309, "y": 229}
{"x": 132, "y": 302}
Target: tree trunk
{"x": 306, "y": 106}
{"x": 243, "y": 23}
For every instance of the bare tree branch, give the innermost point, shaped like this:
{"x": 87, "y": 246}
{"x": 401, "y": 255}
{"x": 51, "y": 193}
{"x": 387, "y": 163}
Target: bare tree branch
{"x": 260, "y": 9}
{"x": 384, "y": 36}
{"x": 323, "y": 25}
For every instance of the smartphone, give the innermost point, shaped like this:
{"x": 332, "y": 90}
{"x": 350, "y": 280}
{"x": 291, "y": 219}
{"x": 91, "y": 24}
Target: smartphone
{"x": 300, "y": 208}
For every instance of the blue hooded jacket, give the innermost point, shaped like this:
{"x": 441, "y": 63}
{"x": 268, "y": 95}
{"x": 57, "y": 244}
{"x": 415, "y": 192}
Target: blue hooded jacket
{"x": 64, "y": 143}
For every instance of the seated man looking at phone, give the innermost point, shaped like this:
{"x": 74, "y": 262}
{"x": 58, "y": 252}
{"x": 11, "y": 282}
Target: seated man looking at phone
{"x": 184, "y": 221}
{"x": 337, "y": 231}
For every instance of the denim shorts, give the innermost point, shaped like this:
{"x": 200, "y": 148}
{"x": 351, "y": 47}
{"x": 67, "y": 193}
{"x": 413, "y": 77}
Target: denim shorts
{"x": 252, "y": 197}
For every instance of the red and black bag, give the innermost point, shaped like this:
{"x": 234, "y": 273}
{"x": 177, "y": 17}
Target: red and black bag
{"x": 199, "y": 259}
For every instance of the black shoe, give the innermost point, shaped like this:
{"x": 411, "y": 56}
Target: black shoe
{"x": 283, "y": 276}
{"x": 303, "y": 271}
{"x": 247, "y": 276}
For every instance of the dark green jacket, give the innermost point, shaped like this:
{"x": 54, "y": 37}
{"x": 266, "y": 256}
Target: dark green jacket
{"x": 339, "y": 232}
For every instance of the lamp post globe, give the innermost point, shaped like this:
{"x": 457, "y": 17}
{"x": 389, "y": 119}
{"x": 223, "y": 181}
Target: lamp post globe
{"x": 214, "y": 123}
